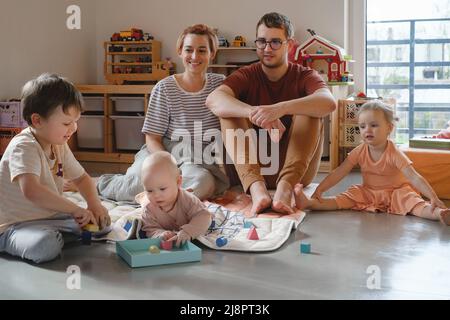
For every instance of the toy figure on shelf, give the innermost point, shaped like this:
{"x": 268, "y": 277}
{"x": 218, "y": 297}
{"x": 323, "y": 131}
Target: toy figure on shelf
{"x": 321, "y": 54}
{"x": 239, "y": 41}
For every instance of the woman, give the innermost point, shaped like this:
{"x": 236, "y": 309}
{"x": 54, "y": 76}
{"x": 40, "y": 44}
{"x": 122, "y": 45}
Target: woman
{"x": 177, "y": 109}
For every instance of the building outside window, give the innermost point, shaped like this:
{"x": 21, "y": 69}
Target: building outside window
{"x": 408, "y": 58}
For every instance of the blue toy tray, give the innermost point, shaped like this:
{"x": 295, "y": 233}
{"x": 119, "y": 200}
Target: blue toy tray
{"x": 136, "y": 253}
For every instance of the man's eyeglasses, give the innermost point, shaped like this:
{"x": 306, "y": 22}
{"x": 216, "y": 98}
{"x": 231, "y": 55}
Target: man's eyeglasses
{"x": 275, "y": 44}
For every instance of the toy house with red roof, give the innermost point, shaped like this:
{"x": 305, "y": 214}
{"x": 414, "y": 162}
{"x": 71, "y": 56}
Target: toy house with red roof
{"x": 324, "y": 56}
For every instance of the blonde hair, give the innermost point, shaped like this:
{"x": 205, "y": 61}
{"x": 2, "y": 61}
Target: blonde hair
{"x": 199, "y": 29}
{"x": 160, "y": 159}
{"x": 378, "y": 105}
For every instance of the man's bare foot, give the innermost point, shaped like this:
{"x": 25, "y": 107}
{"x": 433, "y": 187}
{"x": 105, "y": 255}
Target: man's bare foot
{"x": 301, "y": 200}
{"x": 260, "y": 197}
{"x": 445, "y": 216}
{"x": 283, "y": 198}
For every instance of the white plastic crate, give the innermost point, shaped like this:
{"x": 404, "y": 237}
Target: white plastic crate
{"x": 127, "y": 131}
{"x": 129, "y": 104}
{"x": 90, "y": 132}
{"x": 92, "y": 103}
{"x": 11, "y": 115}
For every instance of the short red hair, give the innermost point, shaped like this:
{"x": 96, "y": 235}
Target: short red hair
{"x": 199, "y": 29}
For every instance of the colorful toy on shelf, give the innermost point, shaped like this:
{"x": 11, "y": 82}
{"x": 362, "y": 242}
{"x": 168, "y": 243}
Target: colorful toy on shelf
{"x": 239, "y": 41}
{"x": 134, "y": 34}
{"x": 223, "y": 42}
{"x": 361, "y": 95}
{"x": 322, "y": 55}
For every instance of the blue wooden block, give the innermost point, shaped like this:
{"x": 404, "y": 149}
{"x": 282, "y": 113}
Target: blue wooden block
{"x": 136, "y": 253}
{"x": 248, "y": 224}
{"x": 305, "y": 247}
{"x": 86, "y": 237}
{"x": 220, "y": 242}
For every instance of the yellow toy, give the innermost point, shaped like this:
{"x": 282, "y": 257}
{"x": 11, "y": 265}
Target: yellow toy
{"x": 91, "y": 227}
{"x": 153, "y": 249}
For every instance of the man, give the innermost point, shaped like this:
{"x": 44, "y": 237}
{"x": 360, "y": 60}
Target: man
{"x": 275, "y": 94}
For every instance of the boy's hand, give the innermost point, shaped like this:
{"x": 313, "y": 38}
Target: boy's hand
{"x": 181, "y": 238}
{"x": 101, "y": 215}
{"x": 83, "y": 217}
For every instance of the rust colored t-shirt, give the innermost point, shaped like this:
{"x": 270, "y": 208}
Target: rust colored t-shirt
{"x": 251, "y": 85}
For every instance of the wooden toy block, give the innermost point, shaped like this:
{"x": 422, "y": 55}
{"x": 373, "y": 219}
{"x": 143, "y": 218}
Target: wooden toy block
{"x": 305, "y": 247}
{"x": 153, "y": 249}
{"x": 91, "y": 227}
{"x": 166, "y": 245}
{"x": 248, "y": 224}
{"x": 220, "y": 242}
{"x": 86, "y": 237}
{"x": 252, "y": 234}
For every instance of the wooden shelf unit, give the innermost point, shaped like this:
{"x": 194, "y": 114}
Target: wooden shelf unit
{"x": 108, "y": 152}
{"x": 152, "y": 70}
{"x": 220, "y": 63}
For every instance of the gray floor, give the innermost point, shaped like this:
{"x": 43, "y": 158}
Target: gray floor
{"x": 350, "y": 249}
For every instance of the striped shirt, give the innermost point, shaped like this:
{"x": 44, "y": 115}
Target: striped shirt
{"x": 173, "y": 112}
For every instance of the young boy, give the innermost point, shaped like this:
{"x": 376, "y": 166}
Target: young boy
{"x": 170, "y": 212}
{"x": 33, "y": 212}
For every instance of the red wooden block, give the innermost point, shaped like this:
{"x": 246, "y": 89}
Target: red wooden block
{"x": 166, "y": 245}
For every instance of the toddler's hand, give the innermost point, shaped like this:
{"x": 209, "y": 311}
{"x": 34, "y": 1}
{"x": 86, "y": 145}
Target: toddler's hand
{"x": 317, "y": 195}
{"x": 436, "y": 202}
{"x": 166, "y": 235}
{"x": 83, "y": 217}
{"x": 181, "y": 238}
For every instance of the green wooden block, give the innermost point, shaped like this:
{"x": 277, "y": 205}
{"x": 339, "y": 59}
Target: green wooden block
{"x": 136, "y": 253}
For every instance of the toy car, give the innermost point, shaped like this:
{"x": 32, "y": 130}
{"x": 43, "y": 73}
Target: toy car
{"x": 129, "y": 35}
{"x": 223, "y": 42}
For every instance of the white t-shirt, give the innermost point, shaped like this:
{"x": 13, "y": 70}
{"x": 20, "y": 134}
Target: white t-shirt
{"x": 23, "y": 155}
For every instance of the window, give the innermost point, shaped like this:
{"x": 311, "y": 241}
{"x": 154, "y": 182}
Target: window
{"x": 408, "y": 58}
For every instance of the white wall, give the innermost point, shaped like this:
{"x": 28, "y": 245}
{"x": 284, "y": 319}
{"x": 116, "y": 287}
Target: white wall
{"x": 166, "y": 19}
{"x": 38, "y": 40}
{"x": 35, "y": 39}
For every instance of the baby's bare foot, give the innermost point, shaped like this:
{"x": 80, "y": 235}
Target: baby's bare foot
{"x": 445, "y": 216}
